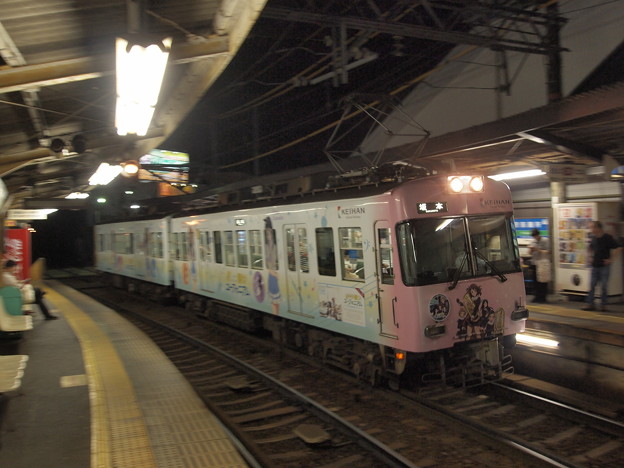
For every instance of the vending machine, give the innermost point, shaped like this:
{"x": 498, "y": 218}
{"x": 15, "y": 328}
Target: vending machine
{"x": 17, "y": 246}
{"x": 572, "y": 235}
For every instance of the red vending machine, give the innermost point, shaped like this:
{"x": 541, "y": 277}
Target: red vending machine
{"x": 17, "y": 247}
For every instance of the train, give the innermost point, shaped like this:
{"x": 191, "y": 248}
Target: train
{"x": 411, "y": 280}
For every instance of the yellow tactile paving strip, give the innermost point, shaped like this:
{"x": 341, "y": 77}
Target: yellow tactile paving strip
{"x": 117, "y": 425}
{"x": 144, "y": 413}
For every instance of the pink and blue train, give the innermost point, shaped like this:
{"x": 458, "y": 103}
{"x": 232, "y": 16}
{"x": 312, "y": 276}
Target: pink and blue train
{"x": 418, "y": 280}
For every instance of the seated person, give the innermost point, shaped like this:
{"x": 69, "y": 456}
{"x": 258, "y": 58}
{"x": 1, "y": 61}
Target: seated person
{"x": 10, "y": 269}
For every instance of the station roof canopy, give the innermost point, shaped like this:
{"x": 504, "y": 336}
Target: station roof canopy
{"x": 57, "y": 81}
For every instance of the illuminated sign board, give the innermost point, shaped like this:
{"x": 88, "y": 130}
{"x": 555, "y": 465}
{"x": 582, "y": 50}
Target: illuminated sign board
{"x": 165, "y": 166}
{"x": 29, "y": 214}
{"x": 431, "y": 207}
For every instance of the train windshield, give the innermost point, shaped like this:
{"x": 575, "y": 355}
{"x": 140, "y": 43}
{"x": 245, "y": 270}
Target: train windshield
{"x": 447, "y": 250}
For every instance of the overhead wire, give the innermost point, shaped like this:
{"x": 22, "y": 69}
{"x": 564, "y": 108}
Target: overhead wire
{"x": 357, "y": 112}
{"x": 309, "y": 72}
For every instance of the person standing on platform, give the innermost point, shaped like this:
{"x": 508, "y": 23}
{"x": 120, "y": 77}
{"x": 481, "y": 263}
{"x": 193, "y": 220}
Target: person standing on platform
{"x": 602, "y": 250}
{"x": 10, "y": 269}
{"x": 540, "y": 264}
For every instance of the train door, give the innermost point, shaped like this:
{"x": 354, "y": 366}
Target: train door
{"x": 140, "y": 252}
{"x": 388, "y": 324}
{"x": 205, "y": 259}
{"x": 297, "y": 265}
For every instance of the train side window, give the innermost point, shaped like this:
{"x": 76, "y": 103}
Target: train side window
{"x": 270, "y": 249}
{"x": 325, "y": 251}
{"x": 385, "y": 255}
{"x": 205, "y": 246}
{"x": 228, "y": 248}
{"x": 290, "y": 248}
{"x": 175, "y": 253}
{"x": 101, "y": 243}
{"x": 241, "y": 249}
{"x": 407, "y": 252}
{"x": 255, "y": 248}
{"x": 352, "y": 253}
{"x": 156, "y": 245}
{"x": 218, "y": 249}
{"x": 304, "y": 263}
{"x": 116, "y": 244}
{"x": 183, "y": 238}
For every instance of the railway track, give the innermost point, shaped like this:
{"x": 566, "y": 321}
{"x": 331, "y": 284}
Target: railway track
{"x": 289, "y": 408}
{"x": 277, "y": 424}
{"x": 556, "y": 432}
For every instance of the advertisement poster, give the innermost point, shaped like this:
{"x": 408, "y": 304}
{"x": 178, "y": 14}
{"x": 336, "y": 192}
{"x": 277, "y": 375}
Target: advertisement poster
{"x": 574, "y": 232}
{"x": 342, "y": 304}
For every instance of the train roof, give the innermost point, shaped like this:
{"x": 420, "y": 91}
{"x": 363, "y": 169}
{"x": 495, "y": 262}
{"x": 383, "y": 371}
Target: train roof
{"x": 308, "y": 189}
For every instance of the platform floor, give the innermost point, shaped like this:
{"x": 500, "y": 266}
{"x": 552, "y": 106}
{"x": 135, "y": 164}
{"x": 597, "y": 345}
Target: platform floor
{"x": 98, "y": 393}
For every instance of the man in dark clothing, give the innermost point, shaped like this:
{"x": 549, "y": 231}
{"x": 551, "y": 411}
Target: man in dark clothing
{"x": 603, "y": 248}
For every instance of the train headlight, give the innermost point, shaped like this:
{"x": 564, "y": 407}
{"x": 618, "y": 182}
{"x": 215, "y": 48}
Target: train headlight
{"x": 476, "y": 184}
{"x": 456, "y": 184}
{"x": 465, "y": 184}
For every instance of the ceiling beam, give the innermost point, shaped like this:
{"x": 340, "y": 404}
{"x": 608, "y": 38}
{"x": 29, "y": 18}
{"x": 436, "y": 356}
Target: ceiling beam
{"x": 26, "y": 77}
{"x": 564, "y": 145}
{"x": 395, "y": 28}
{"x": 567, "y": 110}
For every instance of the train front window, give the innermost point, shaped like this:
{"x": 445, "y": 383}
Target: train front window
{"x": 444, "y": 250}
{"x": 493, "y": 243}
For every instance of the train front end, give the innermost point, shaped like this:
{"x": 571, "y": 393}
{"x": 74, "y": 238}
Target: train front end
{"x": 463, "y": 298}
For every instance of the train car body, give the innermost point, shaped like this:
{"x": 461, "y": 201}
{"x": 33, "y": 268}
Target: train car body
{"x": 137, "y": 249}
{"x": 408, "y": 271}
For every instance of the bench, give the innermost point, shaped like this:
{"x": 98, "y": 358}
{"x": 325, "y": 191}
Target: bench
{"x": 13, "y": 323}
{"x": 11, "y": 372}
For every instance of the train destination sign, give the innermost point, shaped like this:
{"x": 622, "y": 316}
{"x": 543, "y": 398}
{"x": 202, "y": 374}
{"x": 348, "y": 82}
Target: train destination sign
{"x": 432, "y": 207}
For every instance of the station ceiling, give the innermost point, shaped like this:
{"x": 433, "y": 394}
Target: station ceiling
{"x": 238, "y": 89}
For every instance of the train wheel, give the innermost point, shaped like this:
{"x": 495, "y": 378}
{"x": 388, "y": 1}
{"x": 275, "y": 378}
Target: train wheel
{"x": 394, "y": 383}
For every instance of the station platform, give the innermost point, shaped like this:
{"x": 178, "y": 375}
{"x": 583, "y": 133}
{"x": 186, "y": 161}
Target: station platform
{"x": 583, "y": 359}
{"x": 562, "y": 316}
{"x": 97, "y": 392}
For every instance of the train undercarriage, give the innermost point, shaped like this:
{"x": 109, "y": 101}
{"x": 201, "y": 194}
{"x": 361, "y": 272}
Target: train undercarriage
{"x": 467, "y": 364}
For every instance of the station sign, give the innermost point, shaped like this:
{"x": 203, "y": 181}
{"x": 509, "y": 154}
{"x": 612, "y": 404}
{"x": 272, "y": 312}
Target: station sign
{"x": 571, "y": 173}
{"x": 29, "y": 214}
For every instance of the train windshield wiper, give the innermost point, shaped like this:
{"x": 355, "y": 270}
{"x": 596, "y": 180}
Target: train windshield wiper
{"x": 458, "y": 272}
{"x": 502, "y": 277}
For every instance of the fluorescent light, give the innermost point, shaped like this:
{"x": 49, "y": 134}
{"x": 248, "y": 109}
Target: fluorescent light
{"x": 518, "y": 175}
{"x": 77, "y": 195}
{"x": 140, "y": 71}
{"x": 105, "y": 174}
{"x": 135, "y": 207}
{"x": 536, "y": 341}
{"x": 101, "y": 200}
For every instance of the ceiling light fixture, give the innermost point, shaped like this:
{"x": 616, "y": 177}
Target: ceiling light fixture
{"x": 518, "y": 174}
{"x": 77, "y": 196}
{"x": 141, "y": 67}
{"x": 105, "y": 174}
{"x": 130, "y": 168}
